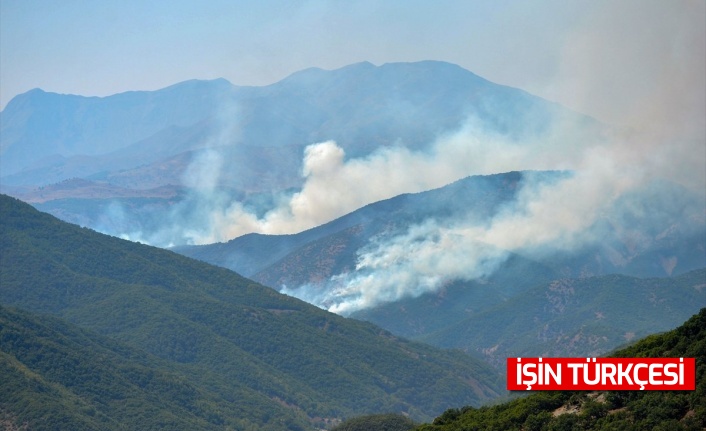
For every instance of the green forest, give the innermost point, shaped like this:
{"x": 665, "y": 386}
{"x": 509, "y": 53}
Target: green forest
{"x": 604, "y": 410}
{"x": 97, "y": 330}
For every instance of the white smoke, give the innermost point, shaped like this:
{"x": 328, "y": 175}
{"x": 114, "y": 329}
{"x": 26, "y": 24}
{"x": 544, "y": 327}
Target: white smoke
{"x": 555, "y": 215}
{"x": 203, "y": 173}
{"x": 411, "y": 264}
{"x": 655, "y": 81}
{"x": 545, "y": 218}
{"x": 334, "y": 186}
{"x": 665, "y": 107}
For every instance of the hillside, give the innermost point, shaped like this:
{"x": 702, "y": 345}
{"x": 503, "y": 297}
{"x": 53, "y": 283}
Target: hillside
{"x": 604, "y": 410}
{"x": 276, "y": 260}
{"x": 574, "y": 317}
{"x": 559, "y": 303}
{"x": 228, "y": 335}
{"x": 57, "y": 376}
{"x": 671, "y": 244}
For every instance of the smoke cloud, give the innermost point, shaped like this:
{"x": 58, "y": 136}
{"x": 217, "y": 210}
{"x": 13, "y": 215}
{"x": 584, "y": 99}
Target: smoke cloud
{"x": 334, "y": 186}
{"x": 665, "y": 139}
{"x": 411, "y": 264}
{"x": 543, "y": 219}
{"x": 648, "y": 72}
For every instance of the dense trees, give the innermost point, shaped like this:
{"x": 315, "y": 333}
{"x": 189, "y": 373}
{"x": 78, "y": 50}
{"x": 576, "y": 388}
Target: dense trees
{"x": 381, "y": 422}
{"x": 611, "y": 410}
{"x": 257, "y": 357}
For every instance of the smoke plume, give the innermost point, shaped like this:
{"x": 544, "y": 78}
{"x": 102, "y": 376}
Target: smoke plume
{"x": 664, "y": 138}
{"x": 647, "y": 72}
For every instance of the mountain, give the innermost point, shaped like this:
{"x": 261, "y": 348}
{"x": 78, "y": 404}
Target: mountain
{"x": 567, "y": 303}
{"x": 38, "y": 126}
{"x": 77, "y": 188}
{"x": 603, "y": 410}
{"x": 361, "y": 106}
{"x": 272, "y": 361}
{"x": 150, "y": 139}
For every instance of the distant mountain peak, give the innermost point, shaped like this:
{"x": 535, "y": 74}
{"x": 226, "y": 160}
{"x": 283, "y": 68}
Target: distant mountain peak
{"x": 33, "y": 91}
{"x": 218, "y": 83}
{"x": 29, "y": 97}
{"x": 316, "y": 74}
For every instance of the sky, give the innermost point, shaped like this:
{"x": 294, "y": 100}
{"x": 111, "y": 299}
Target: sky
{"x": 103, "y": 47}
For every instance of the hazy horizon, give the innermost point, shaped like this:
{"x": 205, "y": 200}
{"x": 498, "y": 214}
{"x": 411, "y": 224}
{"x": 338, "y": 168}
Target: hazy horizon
{"x": 597, "y": 57}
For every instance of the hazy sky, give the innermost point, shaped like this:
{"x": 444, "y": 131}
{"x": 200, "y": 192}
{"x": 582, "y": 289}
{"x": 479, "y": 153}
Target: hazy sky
{"x": 548, "y": 47}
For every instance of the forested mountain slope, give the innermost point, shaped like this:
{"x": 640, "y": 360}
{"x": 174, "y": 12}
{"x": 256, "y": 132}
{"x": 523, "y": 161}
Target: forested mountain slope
{"x": 576, "y": 317}
{"x": 604, "y": 410}
{"x": 56, "y": 376}
{"x": 229, "y": 336}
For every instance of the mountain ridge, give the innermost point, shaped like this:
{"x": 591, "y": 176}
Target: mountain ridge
{"x": 474, "y": 198}
{"x": 80, "y": 125}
